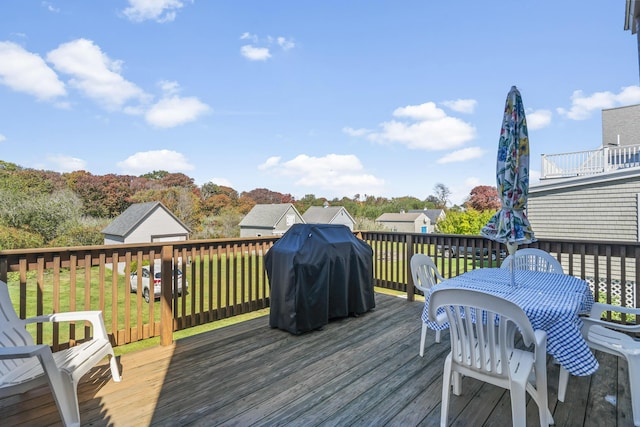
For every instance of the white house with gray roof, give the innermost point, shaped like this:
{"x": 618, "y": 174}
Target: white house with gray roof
{"x": 269, "y": 220}
{"x": 145, "y": 223}
{"x": 328, "y": 215}
{"x": 407, "y": 222}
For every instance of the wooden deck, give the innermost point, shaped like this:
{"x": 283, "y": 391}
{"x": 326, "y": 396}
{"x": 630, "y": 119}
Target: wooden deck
{"x": 362, "y": 371}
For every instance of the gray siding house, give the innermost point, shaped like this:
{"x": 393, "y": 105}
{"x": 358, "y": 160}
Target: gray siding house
{"x": 407, "y": 222}
{"x": 594, "y": 207}
{"x": 328, "y": 215}
{"x": 145, "y": 223}
{"x": 269, "y": 220}
{"x": 596, "y": 198}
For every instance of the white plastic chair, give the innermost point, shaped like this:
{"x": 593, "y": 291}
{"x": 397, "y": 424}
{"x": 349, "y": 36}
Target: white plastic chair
{"x": 425, "y": 275}
{"x": 612, "y": 338}
{"x": 25, "y": 365}
{"x": 534, "y": 260}
{"x": 485, "y": 349}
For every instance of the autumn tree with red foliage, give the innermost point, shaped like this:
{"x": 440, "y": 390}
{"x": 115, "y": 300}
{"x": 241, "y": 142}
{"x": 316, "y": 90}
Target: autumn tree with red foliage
{"x": 483, "y": 198}
{"x": 262, "y": 196}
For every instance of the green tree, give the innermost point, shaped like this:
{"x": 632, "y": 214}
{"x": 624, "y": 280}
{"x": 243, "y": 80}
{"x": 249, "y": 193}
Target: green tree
{"x": 468, "y": 222}
{"x": 46, "y": 215}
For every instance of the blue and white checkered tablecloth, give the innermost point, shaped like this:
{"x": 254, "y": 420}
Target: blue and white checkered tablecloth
{"x": 551, "y": 301}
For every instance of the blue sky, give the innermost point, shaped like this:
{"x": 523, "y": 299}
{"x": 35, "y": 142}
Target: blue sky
{"x": 332, "y": 98}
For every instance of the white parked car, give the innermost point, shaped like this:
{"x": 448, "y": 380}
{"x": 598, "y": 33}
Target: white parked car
{"x": 146, "y": 275}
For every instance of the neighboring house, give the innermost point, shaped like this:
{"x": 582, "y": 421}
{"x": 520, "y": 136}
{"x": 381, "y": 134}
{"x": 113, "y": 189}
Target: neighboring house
{"x": 145, "y": 223}
{"x": 269, "y": 220}
{"x": 592, "y": 195}
{"x": 328, "y": 215}
{"x": 593, "y": 207}
{"x": 434, "y": 216}
{"x": 408, "y": 222}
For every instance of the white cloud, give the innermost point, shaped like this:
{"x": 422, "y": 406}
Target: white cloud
{"x": 467, "y": 106}
{"x": 355, "y": 132}
{"x": 255, "y": 53}
{"x": 432, "y": 129}
{"x": 156, "y": 10}
{"x": 50, "y": 7}
{"x": 175, "y": 111}
{"x": 27, "y": 72}
{"x": 285, "y": 44}
{"x": 94, "y": 74}
{"x": 66, "y": 163}
{"x": 338, "y": 175}
{"x": 249, "y": 36}
{"x": 582, "y": 106}
{"x": 269, "y": 163}
{"x": 462, "y": 155}
{"x": 2, "y": 138}
{"x": 538, "y": 119}
{"x": 149, "y": 161}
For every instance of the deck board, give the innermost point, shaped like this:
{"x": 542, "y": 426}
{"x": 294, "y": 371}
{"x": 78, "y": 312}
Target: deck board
{"x": 359, "y": 371}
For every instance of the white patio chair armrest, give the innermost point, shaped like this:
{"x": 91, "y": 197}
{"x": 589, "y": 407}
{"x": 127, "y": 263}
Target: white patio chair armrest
{"x": 591, "y": 321}
{"x": 95, "y": 317}
{"x": 23, "y": 352}
{"x": 599, "y": 308}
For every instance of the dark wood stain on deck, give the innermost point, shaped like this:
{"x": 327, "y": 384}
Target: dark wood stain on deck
{"x": 359, "y": 371}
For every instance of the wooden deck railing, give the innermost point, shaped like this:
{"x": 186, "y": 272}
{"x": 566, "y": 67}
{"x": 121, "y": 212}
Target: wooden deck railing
{"x": 226, "y": 277}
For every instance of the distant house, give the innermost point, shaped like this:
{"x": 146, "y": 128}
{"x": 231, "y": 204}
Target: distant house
{"x": 269, "y": 220}
{"x": 328, "y": 215}
{"x": 145, "y": 223}
{"x": 407, "y": 222}
{"x": 434, "y": 216}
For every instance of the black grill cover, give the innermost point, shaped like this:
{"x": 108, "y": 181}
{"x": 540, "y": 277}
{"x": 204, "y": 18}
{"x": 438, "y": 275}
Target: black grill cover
{"x": 318, "y": 272}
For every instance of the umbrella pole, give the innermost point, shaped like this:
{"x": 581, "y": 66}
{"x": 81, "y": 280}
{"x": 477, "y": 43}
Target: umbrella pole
{"x": 511, "y": 248}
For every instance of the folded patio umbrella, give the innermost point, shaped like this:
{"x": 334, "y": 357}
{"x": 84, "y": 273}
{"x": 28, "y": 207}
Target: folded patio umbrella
{"x": 510, "y": 224}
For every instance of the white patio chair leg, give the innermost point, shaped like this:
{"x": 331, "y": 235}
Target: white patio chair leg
{"x": 423, "y": 338}
{"x": 518, "y": 405}
{"x": 562, "y": 384}
{"x": 634, "y": 384}
{"x": 115, "y": 370}
{"x": 438, "y": 335}
{"x": 446, "y": 391}
{"x": 64, "y": 392}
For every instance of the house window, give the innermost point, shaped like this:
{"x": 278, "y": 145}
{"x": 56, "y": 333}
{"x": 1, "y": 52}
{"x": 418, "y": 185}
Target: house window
{"x": 291, "y": 219}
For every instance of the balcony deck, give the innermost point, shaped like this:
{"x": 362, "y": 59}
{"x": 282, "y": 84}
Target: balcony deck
{"x": 356, "y": 371}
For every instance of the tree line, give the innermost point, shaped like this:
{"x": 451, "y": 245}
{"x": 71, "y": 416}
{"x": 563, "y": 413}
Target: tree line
{"x": 40, "y": 208}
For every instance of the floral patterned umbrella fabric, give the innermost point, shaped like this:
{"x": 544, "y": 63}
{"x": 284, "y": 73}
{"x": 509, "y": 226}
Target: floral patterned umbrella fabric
{"x": 510, "y": 224}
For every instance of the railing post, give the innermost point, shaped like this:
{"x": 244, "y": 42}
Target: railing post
{"x": 407, "y": 266}
{"x": 166, "y": 287}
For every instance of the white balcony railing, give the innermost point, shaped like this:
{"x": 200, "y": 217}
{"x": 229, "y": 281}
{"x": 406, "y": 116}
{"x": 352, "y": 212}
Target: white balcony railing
{"x": 590, "y": 162}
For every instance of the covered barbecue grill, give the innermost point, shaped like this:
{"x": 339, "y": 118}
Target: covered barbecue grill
{"x": 318, "y": 272}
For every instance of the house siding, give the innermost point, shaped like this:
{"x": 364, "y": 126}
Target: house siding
{"x": 282, "y": 226}
{"x": 404, "y": 222}
{"x": 269, "y": 220}
{"x": 159, "y": 224}
{"x": 343, "y": 219}
{"x": 594, "y": 211}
